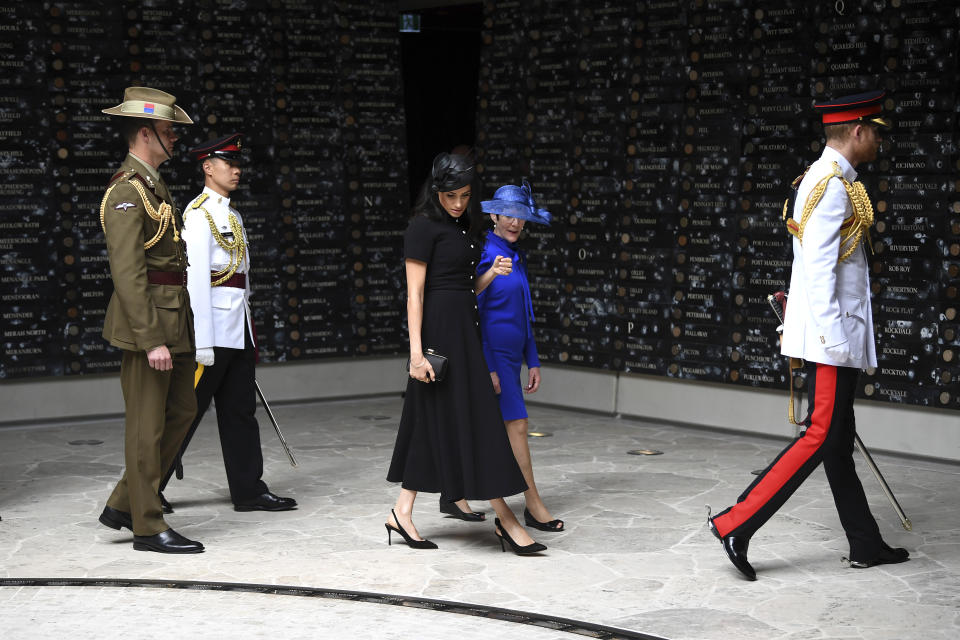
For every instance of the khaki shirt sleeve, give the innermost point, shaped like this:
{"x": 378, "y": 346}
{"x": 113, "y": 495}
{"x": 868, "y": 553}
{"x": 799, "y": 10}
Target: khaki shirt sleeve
{"x": 128, "y": 266}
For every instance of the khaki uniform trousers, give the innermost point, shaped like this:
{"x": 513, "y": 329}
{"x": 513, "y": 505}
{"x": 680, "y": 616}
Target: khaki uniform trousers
{"x": 160, "y": 407}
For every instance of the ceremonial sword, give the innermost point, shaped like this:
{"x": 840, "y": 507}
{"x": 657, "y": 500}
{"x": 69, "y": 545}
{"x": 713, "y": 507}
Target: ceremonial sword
{"x": 276, "y": 427}
{"x": 778, "y": 302}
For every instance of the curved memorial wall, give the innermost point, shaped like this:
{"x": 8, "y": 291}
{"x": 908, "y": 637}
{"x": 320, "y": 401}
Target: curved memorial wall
{"x": 662, "y": 135}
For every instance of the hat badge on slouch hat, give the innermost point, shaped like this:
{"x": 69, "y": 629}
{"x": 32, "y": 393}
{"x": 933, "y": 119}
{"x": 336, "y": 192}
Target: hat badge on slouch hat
{"x": 862, "y": 107}
{"x": 229, "y": 147}
{"x": 153, "y": 104}
{"x": 516, "y": 202}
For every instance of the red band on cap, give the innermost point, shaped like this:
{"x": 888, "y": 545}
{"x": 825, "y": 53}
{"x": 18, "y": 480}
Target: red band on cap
{"x": 201, "y": 155}
{"x": 850, "y": 114}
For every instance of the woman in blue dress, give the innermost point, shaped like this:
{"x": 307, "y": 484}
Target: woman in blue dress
{"x": 451, "y": 438}
{"x": 506, "y": 316}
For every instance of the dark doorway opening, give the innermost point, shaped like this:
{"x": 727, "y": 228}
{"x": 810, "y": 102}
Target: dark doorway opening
{"x": 441, "y": 68}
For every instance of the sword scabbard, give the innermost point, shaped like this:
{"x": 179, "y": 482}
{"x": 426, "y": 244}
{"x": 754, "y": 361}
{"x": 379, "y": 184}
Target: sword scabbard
{"x": 276, "y": 426}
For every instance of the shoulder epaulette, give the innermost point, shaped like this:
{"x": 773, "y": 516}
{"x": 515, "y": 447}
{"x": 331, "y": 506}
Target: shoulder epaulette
{"x": 121, "y": 175}
{"x": 148, "y": 184}
{"x": 131, "y": 175}
{"x": 198, "y": 202}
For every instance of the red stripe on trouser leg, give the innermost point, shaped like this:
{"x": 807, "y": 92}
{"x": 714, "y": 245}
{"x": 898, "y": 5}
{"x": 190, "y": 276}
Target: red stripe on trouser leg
{"x": 791, "y": 461}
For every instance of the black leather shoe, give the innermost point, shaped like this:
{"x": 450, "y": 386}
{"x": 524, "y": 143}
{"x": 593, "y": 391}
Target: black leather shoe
{"x": 736, "y": 550}
{"x": 116, "y": 519}
{"x": 887, "y": 555}
{"x": 165, "y": 506}
{"x": 266, "y": 502}
{"x": 168, "y": 541}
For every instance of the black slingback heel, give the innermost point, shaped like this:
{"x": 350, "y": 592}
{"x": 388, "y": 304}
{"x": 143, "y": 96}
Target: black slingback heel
{"x": 413, "y": 544}
{"x": 453, "y": 509}
{"x": 525, "y": 550}
{"x": 553, "y": 525}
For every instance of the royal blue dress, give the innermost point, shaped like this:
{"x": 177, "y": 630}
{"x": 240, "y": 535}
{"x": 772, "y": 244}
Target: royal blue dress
{"x": 506, "y": 329}
{"x": 451, "y": 437}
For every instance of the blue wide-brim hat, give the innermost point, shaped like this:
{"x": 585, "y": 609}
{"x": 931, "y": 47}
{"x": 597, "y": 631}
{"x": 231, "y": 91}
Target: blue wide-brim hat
{"x": 516, "y": 202}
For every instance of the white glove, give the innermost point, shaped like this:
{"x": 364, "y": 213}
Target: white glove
{"x": 838, "y": 352}
{"x": 205, "y": 356}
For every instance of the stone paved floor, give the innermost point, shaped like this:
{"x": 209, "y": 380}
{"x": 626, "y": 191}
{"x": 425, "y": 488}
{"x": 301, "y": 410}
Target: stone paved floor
{"x": 636, "y": 554}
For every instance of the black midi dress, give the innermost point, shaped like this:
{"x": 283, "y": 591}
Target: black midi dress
{"x": 452, "y": 438}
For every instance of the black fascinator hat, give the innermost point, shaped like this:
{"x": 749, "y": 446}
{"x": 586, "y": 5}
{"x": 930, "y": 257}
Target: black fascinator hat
{"x": 451, "y": 171}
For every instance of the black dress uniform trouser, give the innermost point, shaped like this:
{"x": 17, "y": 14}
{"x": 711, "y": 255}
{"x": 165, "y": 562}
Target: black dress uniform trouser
{"x": 828, "y": 438}
{"x": 230, "y": 382}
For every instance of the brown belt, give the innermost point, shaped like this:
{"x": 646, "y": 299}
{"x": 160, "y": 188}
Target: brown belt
{"x": 177, "y": 278}
{"x": 237, "y": 280}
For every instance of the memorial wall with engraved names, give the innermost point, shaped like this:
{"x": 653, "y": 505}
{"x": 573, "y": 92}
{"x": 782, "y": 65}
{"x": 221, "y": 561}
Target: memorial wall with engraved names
{"x": 663, "y": 135}
{"x": 316, "y": 89}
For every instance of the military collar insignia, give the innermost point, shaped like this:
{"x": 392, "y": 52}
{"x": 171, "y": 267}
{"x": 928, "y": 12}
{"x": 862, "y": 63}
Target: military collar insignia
{"x": 149, "y": 181}
{"x": 124, "y": 206}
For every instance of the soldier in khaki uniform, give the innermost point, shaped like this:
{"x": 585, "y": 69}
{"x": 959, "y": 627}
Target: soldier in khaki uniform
{"x": 148, "y": 317}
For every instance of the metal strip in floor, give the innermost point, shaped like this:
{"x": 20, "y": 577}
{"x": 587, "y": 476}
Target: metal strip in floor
{"x": 576, "y": 627}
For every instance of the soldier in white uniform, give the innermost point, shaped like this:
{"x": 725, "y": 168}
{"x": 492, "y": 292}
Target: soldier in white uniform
{"x": 829, "y": 324}
{"x": 220, "y": 289}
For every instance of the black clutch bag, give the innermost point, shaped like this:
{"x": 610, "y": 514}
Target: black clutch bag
{"x": 437, "y": 362}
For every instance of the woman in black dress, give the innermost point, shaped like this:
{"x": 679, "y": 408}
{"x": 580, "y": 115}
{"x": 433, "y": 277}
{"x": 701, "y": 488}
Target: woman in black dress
{"x": 451, "y": 437}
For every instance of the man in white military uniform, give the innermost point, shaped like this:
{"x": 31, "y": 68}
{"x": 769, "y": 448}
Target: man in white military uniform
{"x": 217, "y": 280}
{"x": 829, "y": 324}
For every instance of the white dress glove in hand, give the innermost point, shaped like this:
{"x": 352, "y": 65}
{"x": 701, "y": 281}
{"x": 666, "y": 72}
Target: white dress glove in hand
{"x": 205, "y": 356}
{"x": 839, "y": 352}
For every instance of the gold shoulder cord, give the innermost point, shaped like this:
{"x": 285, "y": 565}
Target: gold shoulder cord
{"x": 854, "y": 228}
{"x": 164, "y": 215}
{"x": 812, "y": 201}
{"x": 852, "y": 231}
{"x": 862, "y": 220}
{"x": 236, "y": 249}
